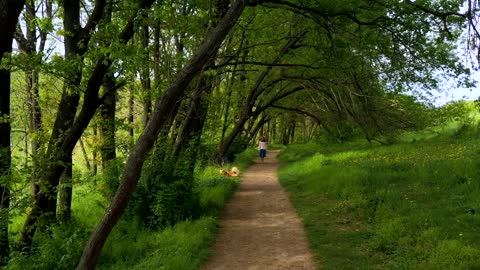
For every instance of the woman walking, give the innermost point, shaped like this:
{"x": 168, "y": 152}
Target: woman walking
{"x": 262, "y": 147}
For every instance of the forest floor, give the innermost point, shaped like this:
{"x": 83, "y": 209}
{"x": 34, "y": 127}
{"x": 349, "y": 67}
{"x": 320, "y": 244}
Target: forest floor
{"x": 260, "y": 228}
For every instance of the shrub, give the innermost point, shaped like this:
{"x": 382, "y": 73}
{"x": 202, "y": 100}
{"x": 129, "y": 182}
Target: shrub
{"x": 165, "y": 194}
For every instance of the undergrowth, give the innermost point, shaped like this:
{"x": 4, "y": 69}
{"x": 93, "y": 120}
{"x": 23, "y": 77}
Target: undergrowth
{"x": 184, "y": 245}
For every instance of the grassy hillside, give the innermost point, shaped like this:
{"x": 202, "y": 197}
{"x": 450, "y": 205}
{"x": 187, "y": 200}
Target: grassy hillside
{"x": 407, "y": 206}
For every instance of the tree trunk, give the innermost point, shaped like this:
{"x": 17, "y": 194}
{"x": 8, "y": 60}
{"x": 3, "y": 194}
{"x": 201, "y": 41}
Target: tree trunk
{"x": 273, "y": 131}
{"x": 65, "y": 193}
{"x": 85, "y": 155}
{"x": 258, "y": 127}
{"x": 145, "y": 72}
{"x": 28, "y": 45}
{"x": 131, "y": 103}
{"x": 220, "y": 156}
{"x": 292, "y": 128}
{"x": 156, "y": 59}
{"x": 5, "y": 162}
{"x": 227, "y": 111}
{"x": 107, "y": 126}
{"x": 9, "y": 12}
{"x": 137, "y": 157}
{"x": 65, "y": 115}
{"x": 284, "y": 127}
{"x": 193, "y": 125}
{"x": 95, "y": 153}
{"x": 35, "y": 125}
{"x": 254, "y": 93}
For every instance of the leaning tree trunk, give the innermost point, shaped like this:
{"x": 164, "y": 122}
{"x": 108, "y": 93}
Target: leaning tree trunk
{"x": 138, "y": 155}
{"x": 9, "y": 12}
{"x": 67, "y": 108}
{"x": 227, "y": 142}
{"x": 257, "y": 128}
{"x": 193, "y": 125}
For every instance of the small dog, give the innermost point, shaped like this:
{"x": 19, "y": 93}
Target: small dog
{"x": 233, "y": 172}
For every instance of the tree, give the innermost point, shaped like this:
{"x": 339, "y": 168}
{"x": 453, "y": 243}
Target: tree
{"x": 27, "y": 44}
{"x": 9, "y": 12}
{"x": 69, "y": 126}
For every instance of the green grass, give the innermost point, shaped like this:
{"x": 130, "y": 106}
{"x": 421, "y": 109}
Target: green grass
{"x": 183, "y": 246}
{"x": 406, "y": 206}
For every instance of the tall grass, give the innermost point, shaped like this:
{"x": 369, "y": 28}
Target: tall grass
{"x": 406, "y": 206}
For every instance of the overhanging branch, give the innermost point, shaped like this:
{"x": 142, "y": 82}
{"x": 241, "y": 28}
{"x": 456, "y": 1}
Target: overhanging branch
{"x": 265, "y": 64}
{"x": 299, "y": 111}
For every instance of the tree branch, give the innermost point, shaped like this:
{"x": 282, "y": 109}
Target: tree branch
{"x": 20, "y": 38}
{"x": 279, "y": 97}
{"x": 263, "y": 64}
{"x": 316, "y": 118}
{"x": 256, "y": 90}
{"x": 302, "y": 9}
{"x": 436, "y": 13}
{"x": 93, "y": 20}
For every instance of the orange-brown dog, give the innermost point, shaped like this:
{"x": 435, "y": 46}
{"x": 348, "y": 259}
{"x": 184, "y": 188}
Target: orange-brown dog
{"x": 233, "y": 172}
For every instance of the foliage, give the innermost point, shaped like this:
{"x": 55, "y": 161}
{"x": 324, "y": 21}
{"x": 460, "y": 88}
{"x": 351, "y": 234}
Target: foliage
{"x": 165, "y": 194}
{"x": 214, "y": 190}
{"x": 184, "y": 245}
{"x": 453, "y": 111}
{"x": 246, "y": 158}
{"x": 405, "y": 206}
{"x": 61, "y": 246}
{"x": 238, "y": 146}
{"x": 109, "y": 179}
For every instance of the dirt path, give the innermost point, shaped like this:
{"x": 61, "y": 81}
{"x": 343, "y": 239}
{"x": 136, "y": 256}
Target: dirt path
{"x": 260, "y": 228}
